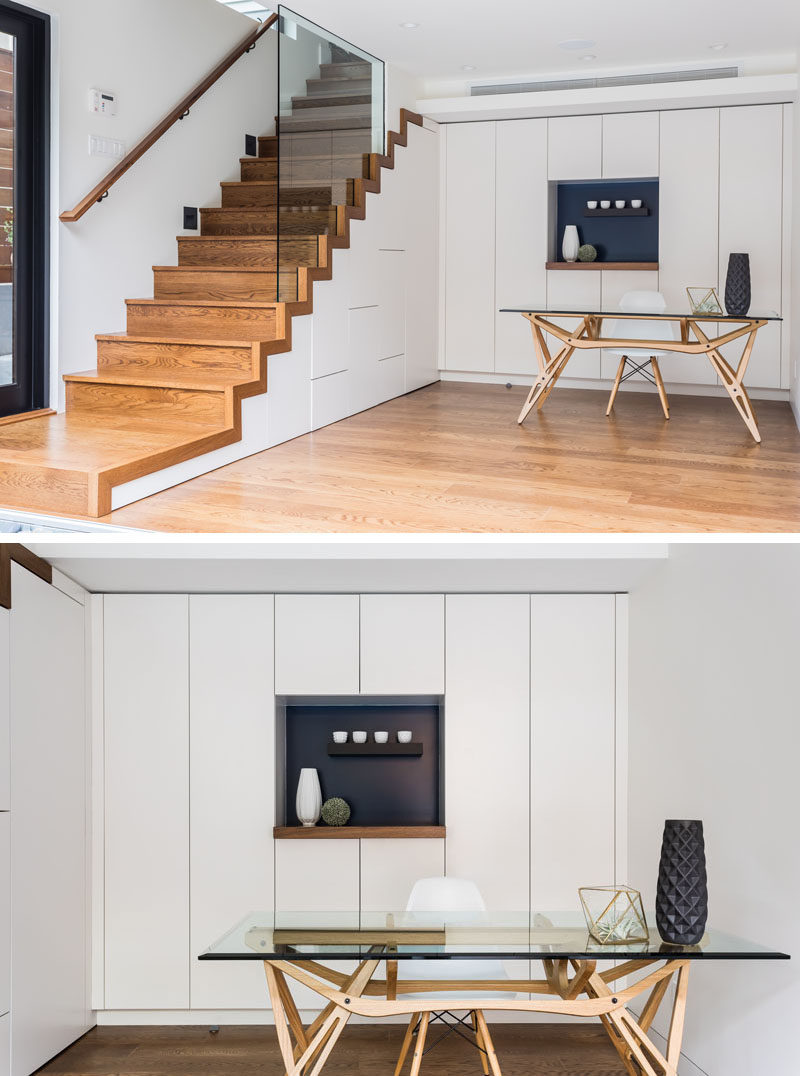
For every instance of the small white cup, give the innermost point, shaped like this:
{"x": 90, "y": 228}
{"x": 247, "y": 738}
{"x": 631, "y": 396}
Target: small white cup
{"x": 620, "y": 203}
{"x": 381, "y": 737}
{"x": 605, "y": 204}
{"x": 591, "y": 205}
{"x": 340, "y": 737}
{"x": 359, "y": 737}
{"x": 636, "y": 203}
{"x": 404, "y": 736}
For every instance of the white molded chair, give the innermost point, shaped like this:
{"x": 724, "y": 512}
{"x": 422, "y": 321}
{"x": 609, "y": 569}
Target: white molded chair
{"x": 463, "y": 902}
{"x": 641, "y": 302}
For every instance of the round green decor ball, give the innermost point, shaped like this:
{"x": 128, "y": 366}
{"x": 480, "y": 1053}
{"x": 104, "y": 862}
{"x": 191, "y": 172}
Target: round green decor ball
{"x": 335, "y": 812}
{"x": 586, "y": 253}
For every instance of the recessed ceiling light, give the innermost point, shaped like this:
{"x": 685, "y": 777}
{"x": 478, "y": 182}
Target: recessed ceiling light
{"x": 718, "y": 46}
{"x": 468, "y": 67}
{"x": 576, "y": 44}
{"x": 409, "y": 25}
{"x": 589, "y": 56}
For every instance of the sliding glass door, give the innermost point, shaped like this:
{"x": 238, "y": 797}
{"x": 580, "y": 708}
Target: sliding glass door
{"x": 24, "y": 211}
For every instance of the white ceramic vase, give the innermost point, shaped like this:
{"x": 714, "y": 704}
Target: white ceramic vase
{"x": 570, "y": 243}
{"x": 309, "y": 798}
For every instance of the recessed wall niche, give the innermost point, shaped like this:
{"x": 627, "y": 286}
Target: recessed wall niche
{"x": 382, "y": 789}
{"x": 626, "y": 235}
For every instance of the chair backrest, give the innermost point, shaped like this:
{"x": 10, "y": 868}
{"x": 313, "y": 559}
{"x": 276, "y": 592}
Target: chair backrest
{"x": 643, "y": 302}
{"x": 445, "y": 895}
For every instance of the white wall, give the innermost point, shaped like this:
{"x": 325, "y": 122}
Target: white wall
{"x": 714, "y": 735}
{"x": 795, "y": 265}
{"x": 150, "y": 54}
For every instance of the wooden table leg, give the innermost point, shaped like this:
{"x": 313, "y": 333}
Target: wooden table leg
{"x": 550, "y": 368}
{"x": 732, "y": 379}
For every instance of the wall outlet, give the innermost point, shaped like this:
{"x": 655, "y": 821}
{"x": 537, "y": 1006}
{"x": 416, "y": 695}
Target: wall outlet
{"x": 190, "y": 218}
{"x": 105, "y": 147}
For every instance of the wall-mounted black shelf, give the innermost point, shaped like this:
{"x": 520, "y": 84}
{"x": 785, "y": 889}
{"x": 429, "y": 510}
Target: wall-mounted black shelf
{"x": 413, "y": 750}
{"x": 643, "y": 211}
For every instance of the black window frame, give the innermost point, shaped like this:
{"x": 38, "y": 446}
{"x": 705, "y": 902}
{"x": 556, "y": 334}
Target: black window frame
{"x": 31, "y": 297}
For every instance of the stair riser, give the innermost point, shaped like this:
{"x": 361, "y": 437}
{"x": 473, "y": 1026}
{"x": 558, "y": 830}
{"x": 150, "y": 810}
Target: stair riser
{"x": 249, "y": 197}
{"x": 330, "y": 100}
{"x": 268, "y": 147}
{"x": 141, "y": 357}
{"x": 302, "y": 124}
{"x": 262, "y": 222}
{"x": 256, "y": 286}
{"x": 215, "y": 322}
{"x": 351, "y": 70}
{"x": 37, "y": 488}
{"x": 258, "y": 170}
{"x": 322, "y": 87}
{"x": 183, "y": 405}
{"x": 258, "y": 253}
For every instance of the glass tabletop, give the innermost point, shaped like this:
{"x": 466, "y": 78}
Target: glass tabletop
{"x": 403, "y": 935}
{"x": 563, "y": 311}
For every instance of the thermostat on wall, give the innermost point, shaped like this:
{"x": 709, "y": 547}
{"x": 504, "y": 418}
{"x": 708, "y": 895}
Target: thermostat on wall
{"x": 102, "y": 101}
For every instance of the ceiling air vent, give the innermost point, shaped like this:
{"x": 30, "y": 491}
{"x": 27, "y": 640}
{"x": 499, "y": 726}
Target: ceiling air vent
{"x": 653, "y": 77}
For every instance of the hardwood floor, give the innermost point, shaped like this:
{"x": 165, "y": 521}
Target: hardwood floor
{"x": 540, "y": 1050}
{"x": 452, "y": 458}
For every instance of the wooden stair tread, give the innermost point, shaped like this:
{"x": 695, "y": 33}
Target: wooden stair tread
{"x": 95, "y": 442}
{"x": 227, "y": 303}
{"x": 194, "y": 378}
{"x": 184, "y": 341}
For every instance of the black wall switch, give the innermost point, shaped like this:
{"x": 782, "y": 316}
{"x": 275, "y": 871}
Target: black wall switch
{"x": 190, "y": 218}
{"x": 251, "y": 146}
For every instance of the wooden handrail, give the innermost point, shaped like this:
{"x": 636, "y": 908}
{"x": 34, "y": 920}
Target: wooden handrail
{"x": 178, "y": 113}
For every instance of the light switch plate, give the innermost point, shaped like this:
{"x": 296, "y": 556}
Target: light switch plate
{"x": 105, "y": 147}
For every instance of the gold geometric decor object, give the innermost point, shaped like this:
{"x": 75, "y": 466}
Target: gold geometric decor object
{"x": 704, "y": 301}
{"x": 614, "y": 914}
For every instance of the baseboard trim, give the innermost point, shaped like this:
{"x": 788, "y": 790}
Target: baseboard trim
{"x": 604, "y": 385}
{"x": 259, "y": 1017}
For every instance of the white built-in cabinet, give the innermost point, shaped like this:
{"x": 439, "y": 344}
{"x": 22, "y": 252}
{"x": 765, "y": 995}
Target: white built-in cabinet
{"x": 47, "y": 825}
{"x": 146, "y": 642}
{"x": 232, "y": 785}
{"x": 316, "y": 644}
{"x": 5, "y": 915}
{"x": 5, "y": 701}
{"x": 724, "y": 185}
{"x": 402, "y": 644}
{"x": 5, "y": 1045}
{"x": 531, "y": 732}
{"x": 469, "y": 184}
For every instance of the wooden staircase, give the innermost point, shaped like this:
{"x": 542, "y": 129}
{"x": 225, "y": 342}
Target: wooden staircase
{"x": 171, "y": 387}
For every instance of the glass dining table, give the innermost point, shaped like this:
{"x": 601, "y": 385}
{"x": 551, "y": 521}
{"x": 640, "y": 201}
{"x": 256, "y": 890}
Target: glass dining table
{"x": 339, "y": 956}
{"x": 697, "y": 334}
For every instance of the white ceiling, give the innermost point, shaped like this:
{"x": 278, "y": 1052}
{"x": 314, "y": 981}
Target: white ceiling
{"x": 426, "y": 565}
{"x": 509, "y": 37}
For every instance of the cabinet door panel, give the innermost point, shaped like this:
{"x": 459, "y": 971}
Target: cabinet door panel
{"x": 572, "y": 746}
{"x": 389, "y": 869}
{"x": 630, "y": 145}
{"x": 5, "y": 1045}
{"x": 751, "y": 220}
{"x": 487, "y": 761}
{"x": 402, "y": 644}
{"x": 688, "y": 214}
{"x": 49, "y": 867}
{"x": 5, "y": 730}
{"x": 574, "y": 147}
{"x": 5, "y": 912}
{"x": 469, "y": 246}
{"x": 147, "y": 801}
{"x": 521, "y": 238}
{"x": 232, "y": 770}
{"x": 316, "y": 644}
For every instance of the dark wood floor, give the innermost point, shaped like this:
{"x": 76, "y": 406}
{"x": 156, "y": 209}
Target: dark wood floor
{"x": 540, "y": 1050}
{"x": 452, "y": 458}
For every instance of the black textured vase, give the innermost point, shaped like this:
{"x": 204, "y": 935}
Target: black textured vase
{"x": 737, "y": 285}
{"x": 682, "y": 895}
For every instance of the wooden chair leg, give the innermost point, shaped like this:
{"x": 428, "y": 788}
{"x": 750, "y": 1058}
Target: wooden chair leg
{"x": 488, "y": 1045}
{"x": 479, "y": 1040}
{"x": 618, "y": 379}
{"x": 662, "y": 392}
{"x": 419, "y": 1048}
{"x": 412, "y": 1023}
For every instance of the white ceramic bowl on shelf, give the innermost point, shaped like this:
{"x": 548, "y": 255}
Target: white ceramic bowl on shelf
{"x": 381, "y": 737}
{"x": 359, "y": 737}
{"x": 340, "y": 737}
{"x": 404, "y": 736}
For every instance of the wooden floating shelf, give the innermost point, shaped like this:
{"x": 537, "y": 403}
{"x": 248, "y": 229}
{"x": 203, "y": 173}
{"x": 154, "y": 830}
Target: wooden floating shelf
{"x": 409, "y": 749}
{"x": 628, "y": 266}
{"x": 299, "y": 833}
{"x": 643, "y": 211}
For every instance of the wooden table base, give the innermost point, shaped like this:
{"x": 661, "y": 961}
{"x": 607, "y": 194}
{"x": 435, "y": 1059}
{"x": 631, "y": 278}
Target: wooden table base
{"x": 586, "y": 992}
{"x": 588, "y": 336}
